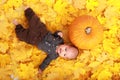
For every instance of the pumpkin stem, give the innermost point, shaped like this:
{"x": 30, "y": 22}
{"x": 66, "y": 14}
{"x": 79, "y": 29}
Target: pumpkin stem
{"x": 88, "y": 30}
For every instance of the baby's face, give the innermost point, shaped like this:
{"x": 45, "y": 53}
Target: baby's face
{"x": 67, "y": 51}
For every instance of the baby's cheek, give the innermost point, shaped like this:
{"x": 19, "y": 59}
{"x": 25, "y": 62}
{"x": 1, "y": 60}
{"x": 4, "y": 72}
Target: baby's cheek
{"x": 60, "y": 55}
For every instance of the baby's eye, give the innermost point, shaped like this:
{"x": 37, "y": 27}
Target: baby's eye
{"x": 65, "y": 49}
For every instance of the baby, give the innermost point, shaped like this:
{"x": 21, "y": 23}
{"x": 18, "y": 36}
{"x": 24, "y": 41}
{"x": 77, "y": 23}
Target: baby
{"x": 38, "y": 35}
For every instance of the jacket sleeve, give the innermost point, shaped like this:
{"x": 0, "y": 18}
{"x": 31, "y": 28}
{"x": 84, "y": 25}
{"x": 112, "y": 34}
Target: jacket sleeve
{"x": 45, "y": 63}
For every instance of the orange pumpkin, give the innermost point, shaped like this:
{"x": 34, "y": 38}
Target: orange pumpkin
{"x": 85, "y": 32}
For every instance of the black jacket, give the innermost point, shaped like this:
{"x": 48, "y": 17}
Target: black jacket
{"x": 49, "y": 44}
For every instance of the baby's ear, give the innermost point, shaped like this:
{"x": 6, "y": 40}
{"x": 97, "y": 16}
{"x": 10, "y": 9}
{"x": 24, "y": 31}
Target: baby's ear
{"x": 60, "y": 34}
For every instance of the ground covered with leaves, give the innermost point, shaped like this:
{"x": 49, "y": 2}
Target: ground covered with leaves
{"x": 20, "y": 61}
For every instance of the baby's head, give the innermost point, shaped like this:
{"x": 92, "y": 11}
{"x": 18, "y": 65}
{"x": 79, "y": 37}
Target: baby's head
{"x": 67, "y": 51}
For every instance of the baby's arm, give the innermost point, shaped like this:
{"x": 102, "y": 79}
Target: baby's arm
{"x": 45, "y": 63}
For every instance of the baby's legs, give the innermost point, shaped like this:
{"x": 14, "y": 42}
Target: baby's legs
{"x": 35, "y": 24}
{"x": 22, "y": 33}
{"x": 36, "y": 30}
{"x": 29, "y": 13}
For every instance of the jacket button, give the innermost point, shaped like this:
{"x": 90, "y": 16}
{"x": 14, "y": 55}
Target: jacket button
{"x": 48, "y": 50}
{"x": 49, "y": 44}
{"x": 46, "y": 42}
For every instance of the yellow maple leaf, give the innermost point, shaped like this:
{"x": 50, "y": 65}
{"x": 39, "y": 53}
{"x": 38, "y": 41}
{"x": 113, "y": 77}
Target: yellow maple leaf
{"x": 3, "y": 46}
{"x": 4, "y": 60}
{"x": 104, "y": 75}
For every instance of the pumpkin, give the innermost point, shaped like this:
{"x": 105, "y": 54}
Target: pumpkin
{"x": 85, "y": 32}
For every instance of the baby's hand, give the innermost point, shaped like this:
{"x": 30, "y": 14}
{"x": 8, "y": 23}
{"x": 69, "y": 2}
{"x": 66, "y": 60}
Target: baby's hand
{"x": 15, "y": 22}
{"x": 39, "y": 71}
{"x": 60, "y": 34}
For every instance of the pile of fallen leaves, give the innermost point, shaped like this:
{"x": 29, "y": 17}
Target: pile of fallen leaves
{"x": 20, "y": 61}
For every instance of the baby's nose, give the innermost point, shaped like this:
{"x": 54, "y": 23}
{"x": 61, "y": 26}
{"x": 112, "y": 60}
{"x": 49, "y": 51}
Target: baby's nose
{"x": 62, "y": 49}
